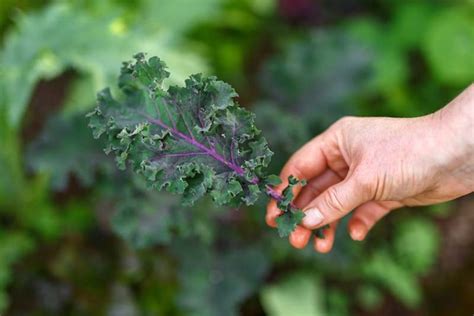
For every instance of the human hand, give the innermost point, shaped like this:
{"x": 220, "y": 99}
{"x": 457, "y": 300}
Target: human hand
{"x": 375, "y": 165}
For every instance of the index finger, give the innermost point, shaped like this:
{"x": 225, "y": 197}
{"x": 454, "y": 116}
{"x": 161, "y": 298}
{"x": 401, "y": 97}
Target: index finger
{"x": 308, "y": 162}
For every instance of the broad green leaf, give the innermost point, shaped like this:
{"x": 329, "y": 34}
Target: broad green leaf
{"x": 44, "y": 44}
{"x": 61, "y": 36}
{"x": 402, "y": 283}
{"x": 416, "y": 244}
{"x": 449, "y": 45}
{"x": 299, "y": 294}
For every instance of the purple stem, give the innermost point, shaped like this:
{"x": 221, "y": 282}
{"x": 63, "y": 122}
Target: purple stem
{"x": 271, "y": 192}
{"x": 212, "y": 152}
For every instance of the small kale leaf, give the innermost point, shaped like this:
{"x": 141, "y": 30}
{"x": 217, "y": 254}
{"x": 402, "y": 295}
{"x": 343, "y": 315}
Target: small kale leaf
{"x": 291, "y": 215}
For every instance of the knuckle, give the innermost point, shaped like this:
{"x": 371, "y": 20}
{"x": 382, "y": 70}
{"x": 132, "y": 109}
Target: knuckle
{"x": 345, "y": 120}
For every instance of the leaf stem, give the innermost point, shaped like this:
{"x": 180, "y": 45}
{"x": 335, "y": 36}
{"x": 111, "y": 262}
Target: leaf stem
{"x": 271, "y": 192}
{"x": 211, "y": 152}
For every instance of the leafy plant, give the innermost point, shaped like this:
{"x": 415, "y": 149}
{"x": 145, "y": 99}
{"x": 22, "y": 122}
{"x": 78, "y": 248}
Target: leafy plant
{"x": 191, "y": 140}
{"x": 55, "y": 152}
{"x": 317, "y": 76}
{"x": 215, "y": 284}
{"x": 41, "y": 47}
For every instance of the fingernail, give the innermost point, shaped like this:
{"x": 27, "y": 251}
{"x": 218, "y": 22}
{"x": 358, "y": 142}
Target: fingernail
{"x": 358, "y": 232}
{"x": 312, "y": 218}
{"x": 322, "y": 246}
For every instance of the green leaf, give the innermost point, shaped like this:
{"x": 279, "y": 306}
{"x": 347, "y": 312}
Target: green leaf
{"x": 449, "y": 46}
{"x": 299, "y": 294}
{"x": 288, "y": 221}
{"x": 41, "y": 47}
{"x": 402, "y": 283}
{"x": 273, "y": 180}
{"x": 190, "y": 140}
{"x": 62, "y": 36}
{"x": 416, "y": 244}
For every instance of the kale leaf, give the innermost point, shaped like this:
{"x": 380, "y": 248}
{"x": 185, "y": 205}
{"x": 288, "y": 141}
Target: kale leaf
{"x": 192, "y": 140}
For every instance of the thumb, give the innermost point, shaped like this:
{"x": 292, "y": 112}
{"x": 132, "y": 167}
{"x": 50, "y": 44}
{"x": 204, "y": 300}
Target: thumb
{"x": 335, "y": 202}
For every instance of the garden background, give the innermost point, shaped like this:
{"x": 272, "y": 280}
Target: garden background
{"x": 79, "y": 237}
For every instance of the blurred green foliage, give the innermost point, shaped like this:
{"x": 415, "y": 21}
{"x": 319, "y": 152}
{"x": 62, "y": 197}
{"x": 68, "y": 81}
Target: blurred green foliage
{"x": 62, "y": 36}
{"x": 299, "y": 294}
{"x": 79, "y": 237}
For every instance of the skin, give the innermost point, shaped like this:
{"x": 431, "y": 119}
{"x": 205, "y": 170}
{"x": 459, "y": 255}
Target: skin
{"x": 373, "y": 165}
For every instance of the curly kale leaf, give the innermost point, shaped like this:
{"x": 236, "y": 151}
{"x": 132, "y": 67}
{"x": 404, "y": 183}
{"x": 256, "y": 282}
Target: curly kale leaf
{"x": 191, "y": 140}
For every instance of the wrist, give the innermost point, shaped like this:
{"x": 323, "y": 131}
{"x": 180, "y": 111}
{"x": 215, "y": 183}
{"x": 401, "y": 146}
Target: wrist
{"x": 453, "y": 126}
